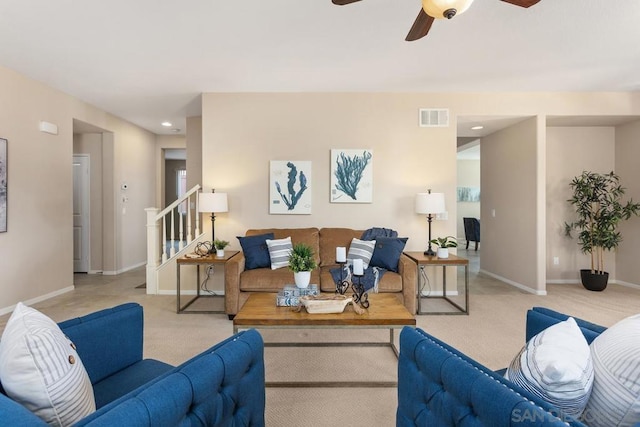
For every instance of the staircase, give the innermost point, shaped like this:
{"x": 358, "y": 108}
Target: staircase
{"x": 162, "y": 250}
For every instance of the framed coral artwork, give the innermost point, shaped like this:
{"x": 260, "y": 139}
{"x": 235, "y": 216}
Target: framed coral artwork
{"x": 351, "y": 176}
{"x": 290, "y": 187}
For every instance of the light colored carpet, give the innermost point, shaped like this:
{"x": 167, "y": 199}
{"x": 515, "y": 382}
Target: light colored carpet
{"x": 492, "y": 334}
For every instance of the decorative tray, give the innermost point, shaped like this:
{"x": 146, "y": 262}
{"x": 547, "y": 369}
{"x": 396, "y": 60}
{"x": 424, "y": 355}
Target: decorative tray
{"x": 325, "y": 304}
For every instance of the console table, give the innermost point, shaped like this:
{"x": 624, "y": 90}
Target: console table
{"x": 422, "y": 261}
{"x": 210, "y": 259}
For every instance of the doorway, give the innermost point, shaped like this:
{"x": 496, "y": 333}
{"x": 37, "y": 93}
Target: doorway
{"x": 81, "y": 213}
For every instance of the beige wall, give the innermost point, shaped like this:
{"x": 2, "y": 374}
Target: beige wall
{"x": 194, "y": 151}
{"x": 243, "y": 132}
{"x": 468, "y": 176}
{"x": 571, "y": 150}
{"x": 509, "y": 208}
{"x": 37, "y": 251}
{"x": 627, "y": 155}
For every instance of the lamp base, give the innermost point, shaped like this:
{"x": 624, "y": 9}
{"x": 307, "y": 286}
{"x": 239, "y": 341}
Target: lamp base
{"x": 429, "y": 252}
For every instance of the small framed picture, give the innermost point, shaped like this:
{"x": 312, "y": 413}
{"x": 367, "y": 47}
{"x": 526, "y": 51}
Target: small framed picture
{"x": 290, "y": 187}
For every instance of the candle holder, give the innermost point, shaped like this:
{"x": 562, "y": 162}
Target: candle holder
{"x": 359, "y": 295}
{"x": 342, "y": 287}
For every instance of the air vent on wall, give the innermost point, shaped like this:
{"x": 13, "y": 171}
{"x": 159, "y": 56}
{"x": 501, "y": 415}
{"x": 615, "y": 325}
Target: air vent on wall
{"x": 434, "y": 117}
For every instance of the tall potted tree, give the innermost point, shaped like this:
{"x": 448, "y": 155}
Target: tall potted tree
{"x": 597, "y": 200}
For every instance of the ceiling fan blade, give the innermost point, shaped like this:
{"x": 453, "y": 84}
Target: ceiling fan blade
{"x": 343, "y": 2}
{"x": 522, "y": 3}
{"x": 420, "y": 27}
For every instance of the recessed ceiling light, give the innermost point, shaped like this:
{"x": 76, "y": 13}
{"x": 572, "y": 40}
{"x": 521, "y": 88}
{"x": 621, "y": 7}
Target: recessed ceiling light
{"x": 166, "y": 124}
{"x": 477, "y": 127}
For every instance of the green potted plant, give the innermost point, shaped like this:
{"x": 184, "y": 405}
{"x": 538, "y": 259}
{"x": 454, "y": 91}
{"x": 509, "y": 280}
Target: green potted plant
{"x": 443, "y": 244}
{"x": 301, "y": 262}
{"x": 220, "y": 245}
{"x": 597, "y": 200}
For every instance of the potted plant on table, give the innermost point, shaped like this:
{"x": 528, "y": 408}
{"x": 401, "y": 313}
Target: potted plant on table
{"x": 220, "y": 245}
{"x": 597, "y": 200}
{"x": 443, "y": 244}
{"x": 301, "y": 262}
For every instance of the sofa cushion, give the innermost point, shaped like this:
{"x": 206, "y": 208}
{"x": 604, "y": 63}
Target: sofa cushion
{"x": 267, "y": 280}
{"x": 255, "y": 250}
{"x": 387, "y": 251}
{"x": 556, "y": 366}
{"x": 128, "y": 379}
{"x": 279, "y": 252}
{"x": 332, "y": 238}
{"x": 40, "y": 368}
{"x": 309, "y": 236}
{"x": 615, "y": 399}
{"x": 389, "y": 282}
{"x": 361, "y": 249}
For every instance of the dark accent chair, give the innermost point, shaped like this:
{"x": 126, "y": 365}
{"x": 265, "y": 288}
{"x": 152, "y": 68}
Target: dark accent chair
{"x": 472, "y": 230}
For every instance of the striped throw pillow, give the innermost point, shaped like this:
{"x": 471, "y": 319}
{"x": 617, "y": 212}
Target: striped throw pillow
{"x": 279, "y": 252}
{"x": 556, "y": 366}
{"x": 361, "y": 249}
{"x": 40, "y": 368}
{"x": 615, "y": 399}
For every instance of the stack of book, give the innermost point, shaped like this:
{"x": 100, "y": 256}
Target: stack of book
{"x": 290, "y": 295}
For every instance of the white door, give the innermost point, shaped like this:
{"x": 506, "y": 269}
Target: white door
{"x": 81, "y": 219}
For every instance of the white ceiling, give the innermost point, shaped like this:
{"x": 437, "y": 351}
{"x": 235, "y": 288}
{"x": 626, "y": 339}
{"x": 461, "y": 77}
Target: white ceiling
{"x": 148, "y": 60}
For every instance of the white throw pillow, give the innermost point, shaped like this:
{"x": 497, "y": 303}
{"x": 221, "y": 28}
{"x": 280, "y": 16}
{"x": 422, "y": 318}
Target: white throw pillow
{"x": 615, "y": 400}
{"x": 40, "y": 369}
{"x": 361, "y": 249}
{"x": 279, "y": 252}
{"x": 556, "y": 366}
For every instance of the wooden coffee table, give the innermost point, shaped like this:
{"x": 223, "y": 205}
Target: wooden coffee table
{"x": 385, "y": 312}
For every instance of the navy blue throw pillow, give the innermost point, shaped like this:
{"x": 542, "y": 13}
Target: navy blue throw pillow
{"x": 387, "y": 252}
{"x": 256, "y": 251}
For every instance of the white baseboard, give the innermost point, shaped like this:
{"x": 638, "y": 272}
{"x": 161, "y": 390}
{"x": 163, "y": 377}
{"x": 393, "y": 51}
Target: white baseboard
{"x": 627, "y": 284}
{"x": 193, "y": 292}
{"x": 563, "y": 282}
{"x": 514, "y": 284}
{"x": 124, "y": 270}
{"x": 35, "y": 300}
{"x": 425, "y": 294}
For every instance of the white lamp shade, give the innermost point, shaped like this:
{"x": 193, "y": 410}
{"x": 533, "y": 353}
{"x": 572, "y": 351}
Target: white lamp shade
{"x": 213, "y": 202}
{"x": 430, "y": 203}
{"x": 436, "y": 8}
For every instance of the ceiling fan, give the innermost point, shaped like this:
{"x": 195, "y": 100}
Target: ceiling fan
{"x": 438, "y": 9}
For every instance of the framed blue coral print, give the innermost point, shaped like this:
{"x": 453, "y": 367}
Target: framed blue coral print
{"x": 351, "y": 176}
{"x": 290, "y": 187}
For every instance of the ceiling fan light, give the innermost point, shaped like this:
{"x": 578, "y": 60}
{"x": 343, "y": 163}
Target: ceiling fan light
{"x": 441, "y": 9}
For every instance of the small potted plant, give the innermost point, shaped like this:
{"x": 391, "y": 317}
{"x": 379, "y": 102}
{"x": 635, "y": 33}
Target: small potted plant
{"x": 444, "y": 243}
{"x": 219, "y": 245}
{"x": 301, "y": 262}
{"x": 597, "y": 200}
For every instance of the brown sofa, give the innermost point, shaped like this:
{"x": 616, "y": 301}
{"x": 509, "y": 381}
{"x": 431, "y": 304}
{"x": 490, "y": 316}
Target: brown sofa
{"x": 239, "y": 284}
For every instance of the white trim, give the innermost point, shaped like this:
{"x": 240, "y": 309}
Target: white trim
{"x": 563, "y": 282}
{"x": 94, "y": 272}
{"x": 514, "y": 284}
{"x": 124, "y": 270}
{"x": 427, "y": 294}
{"x": 38, "y": 299}
{"x": 627, "y": 284}
{"x": 191, "y": 292}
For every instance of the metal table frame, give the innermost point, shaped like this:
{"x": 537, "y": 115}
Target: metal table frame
{"x": 423, "y": 261}
{"x": 206, "y": 260}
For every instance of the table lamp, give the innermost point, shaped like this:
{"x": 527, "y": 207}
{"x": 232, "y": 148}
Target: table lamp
{"x": 430, "y": 204}
{"x": 214, "y": 203}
